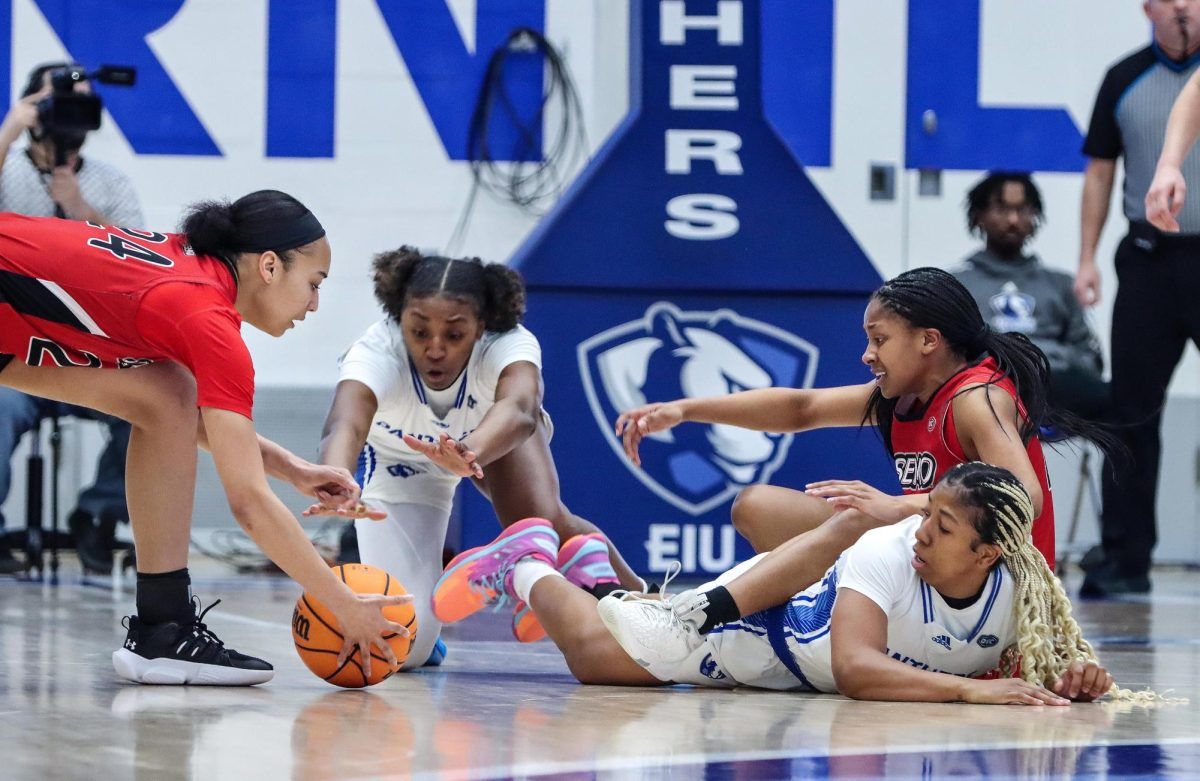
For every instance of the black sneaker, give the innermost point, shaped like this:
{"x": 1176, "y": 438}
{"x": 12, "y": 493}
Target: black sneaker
{"x": 1093, "y": 560}
{"x": 1107, "y": 583}
{"x": 178, "y": 653}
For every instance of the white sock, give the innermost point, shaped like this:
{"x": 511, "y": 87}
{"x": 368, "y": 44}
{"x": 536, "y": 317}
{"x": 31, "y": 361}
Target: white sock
{"x": 527, "y": 572}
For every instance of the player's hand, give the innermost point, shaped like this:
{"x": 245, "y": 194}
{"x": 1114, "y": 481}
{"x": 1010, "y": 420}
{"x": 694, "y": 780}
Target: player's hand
{"x": 449, "y": 454}
{"x": 857, "y": 495}
{"x": 1009, "y": 691}
{"x": 363, "y": 625}
{"x": 23, "y": 115}
{"x": 359, "y": 509}
{"x": 1083, "y": 682}
{"x": 636, "y": 424}
{"x": 1087, "y": 284}
{"x": 1165, "y": 198}
{"x": 331, "y": 486}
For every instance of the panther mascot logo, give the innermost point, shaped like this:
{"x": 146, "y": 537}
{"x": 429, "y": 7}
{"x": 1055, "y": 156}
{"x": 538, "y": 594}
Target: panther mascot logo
{"x": 670, "y": 354}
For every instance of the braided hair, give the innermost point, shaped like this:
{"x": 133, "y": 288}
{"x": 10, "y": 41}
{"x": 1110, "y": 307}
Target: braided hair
{"x": 1048, "y": 638}
{"x": 494, "y": 291}
{"x": 932, "y": 298}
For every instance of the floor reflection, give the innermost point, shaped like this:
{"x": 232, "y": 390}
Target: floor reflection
{"x": 499, "y": 709}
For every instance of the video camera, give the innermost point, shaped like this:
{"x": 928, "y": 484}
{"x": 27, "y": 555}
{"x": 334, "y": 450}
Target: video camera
{"x": 67, "y": 116}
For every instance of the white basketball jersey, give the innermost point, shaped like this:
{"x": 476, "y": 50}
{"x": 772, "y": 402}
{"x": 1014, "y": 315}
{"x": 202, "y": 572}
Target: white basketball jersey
{"x": 923, "y": 631}
{"x": 389, "y": 469}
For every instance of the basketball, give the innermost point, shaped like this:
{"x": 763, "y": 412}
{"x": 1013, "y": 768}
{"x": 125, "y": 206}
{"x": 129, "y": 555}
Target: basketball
{"x": 318, "y": 637}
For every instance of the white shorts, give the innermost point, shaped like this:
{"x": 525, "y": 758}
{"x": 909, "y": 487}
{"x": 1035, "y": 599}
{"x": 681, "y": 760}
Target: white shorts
{"x": 734, "y": 654}
{"x": 408, "y": 546}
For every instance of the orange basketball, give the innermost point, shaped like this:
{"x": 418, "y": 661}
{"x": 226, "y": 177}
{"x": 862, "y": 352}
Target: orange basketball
{"x": 319, "y": 639}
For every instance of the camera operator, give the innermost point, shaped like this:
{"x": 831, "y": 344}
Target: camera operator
{"x": 31, "y": 183}
{"x": 81, "y": 189}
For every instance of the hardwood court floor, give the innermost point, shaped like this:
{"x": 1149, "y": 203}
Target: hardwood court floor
{"x": 499, "y": 709}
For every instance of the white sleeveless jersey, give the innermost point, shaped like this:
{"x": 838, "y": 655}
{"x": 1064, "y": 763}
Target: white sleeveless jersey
{"x": 788, "y": 647}
{"x": 389, "y": 469}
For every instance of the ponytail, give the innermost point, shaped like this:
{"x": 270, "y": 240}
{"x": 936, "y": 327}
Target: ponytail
{"x": 266, "y": 220}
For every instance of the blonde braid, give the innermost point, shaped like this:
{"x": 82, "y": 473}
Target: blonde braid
{"x": 1049, "y": 639}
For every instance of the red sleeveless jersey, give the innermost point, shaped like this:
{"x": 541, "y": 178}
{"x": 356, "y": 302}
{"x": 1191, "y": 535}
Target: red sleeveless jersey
{"x": 81, "y": 294}
{"x": 925, "y": 445}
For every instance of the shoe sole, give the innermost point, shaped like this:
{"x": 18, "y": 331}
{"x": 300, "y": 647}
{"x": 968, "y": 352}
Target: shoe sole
{"x": 447, "y": 585}
{"x": 174, "y": 672}
{"x": 529, "y": 630}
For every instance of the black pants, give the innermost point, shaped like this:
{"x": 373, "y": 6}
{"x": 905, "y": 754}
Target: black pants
{"x": 1156, "y": 312}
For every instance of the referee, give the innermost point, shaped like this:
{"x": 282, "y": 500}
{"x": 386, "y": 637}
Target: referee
{"x": 1155, "y": 311}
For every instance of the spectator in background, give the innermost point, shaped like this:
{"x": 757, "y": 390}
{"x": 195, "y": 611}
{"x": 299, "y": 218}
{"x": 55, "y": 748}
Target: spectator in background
{"x": 1155, "y": 311}
{"x": 1015, "y": 292}
{"x": 82, "y": 189}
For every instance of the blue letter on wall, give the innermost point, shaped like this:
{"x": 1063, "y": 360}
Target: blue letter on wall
{"x": 797, "y": 75}
{"x": 943, "y": 77}
{"x": 301, "y": 68}
{"x": 153, "y": 115}
{"x": 449, "y": 77}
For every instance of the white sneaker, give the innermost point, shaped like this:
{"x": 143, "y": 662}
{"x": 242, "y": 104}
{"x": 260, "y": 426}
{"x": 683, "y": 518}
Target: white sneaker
{"x": 658, "y": 634}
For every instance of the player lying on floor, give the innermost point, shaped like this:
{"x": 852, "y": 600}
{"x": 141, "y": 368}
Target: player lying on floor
{"x": 950, "y": 605}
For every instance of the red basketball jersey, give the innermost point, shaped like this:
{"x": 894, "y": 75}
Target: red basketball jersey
{"x": 925, "y": 445}
{"x": 82, "y": 294}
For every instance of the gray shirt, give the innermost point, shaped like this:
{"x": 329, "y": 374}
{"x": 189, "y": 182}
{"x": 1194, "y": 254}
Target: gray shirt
{"x": 1024, "y": 296}
{"x": 24, "y": 190}
{"x": 1130, "y": 120}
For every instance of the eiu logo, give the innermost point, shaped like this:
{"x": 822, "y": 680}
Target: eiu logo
{"x": 943, "y": 640}
{"x": 709, "y": 668}
{"x": 1012, "y": 310}
{"x": 669, "y": 354}
{"x": 987, "y": 641}
{"x": 402, "y": 470}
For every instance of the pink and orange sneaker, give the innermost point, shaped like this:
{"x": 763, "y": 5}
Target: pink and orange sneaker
{"x": 583, "y": 560}
{"x": 482, "y": 577}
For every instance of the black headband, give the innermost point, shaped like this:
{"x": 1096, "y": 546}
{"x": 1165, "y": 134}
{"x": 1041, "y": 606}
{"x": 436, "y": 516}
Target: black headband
{"x": 282, "y": 236}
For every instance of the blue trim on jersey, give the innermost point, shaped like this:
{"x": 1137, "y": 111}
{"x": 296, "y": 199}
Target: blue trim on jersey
{"x": 418, "y": 385}
{"x": 776, "y": 619}
{"x": 740, "y": 627}
{"x": 926, "y": 603}
{"x": 803, "y": 619}
{"x": 987, "y": 608}
{"x": 462, "y": 392}
{"x": 367, "y": 461}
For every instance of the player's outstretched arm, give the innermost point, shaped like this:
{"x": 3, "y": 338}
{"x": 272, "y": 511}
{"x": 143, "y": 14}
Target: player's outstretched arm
{"x": 864, "y": 671}
{"x": 1168, "y": 190}
{"x": 781, "y": 410}
{"x": 270, "y": 524}
{"x": 342, "y": 439}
